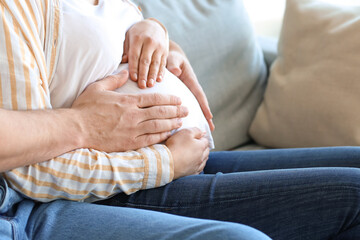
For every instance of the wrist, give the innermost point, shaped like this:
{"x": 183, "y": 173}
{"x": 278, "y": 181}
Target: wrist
{"x": 73, "y": 128}
{"x": 164, "y": 28}
{"x": 161, "y": 25}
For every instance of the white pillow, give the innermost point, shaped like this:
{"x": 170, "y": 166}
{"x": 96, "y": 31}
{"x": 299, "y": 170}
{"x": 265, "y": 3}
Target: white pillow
{"x": 173, "y": 86}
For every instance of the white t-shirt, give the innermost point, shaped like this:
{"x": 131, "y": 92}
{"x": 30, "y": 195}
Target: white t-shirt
{"x": 91, "y": 48}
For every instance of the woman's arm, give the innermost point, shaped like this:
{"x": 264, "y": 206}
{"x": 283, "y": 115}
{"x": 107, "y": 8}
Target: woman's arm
{"x": 179, "y": 65}
{"x": 146, "y": 48}
{"x": 148, "y": 51}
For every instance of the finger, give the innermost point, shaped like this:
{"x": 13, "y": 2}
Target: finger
{"x": 154, "y": 69}
{"x": 159, "y": 125}
{"x": 125, "y": 57}
{"x": 144, "y": 63}
{"x": 196, "y": 132}
{"x": 211, "y": 124}
{"x": 112, "y": 82}
{"x": 151, "y": 139}
{"x": 135, "y": 47}
{"x": 192, "y": 83}
{"x": 162, "y": 67}
{"x": 156, "y": 99}
{"x": 164, "y": 112}
{"x": 206, "y": 154}
{"x": 204, "y": 105}
{"x": 204, "y": 141}
{"x": 174, "y": 64}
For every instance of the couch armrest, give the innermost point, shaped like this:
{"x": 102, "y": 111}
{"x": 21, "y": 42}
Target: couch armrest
{"x": 269, "y": 47}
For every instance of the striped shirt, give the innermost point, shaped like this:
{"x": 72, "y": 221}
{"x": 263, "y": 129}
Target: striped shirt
{"x": 29, "y": 32}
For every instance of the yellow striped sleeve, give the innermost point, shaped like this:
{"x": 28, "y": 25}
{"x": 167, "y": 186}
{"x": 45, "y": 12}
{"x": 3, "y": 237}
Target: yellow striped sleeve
{"x": 90, "y": 175}
{"x": 22, "y": 60}
{"x": 27, "y": 62}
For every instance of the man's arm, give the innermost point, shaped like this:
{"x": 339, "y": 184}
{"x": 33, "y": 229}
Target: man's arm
{"x": 34, "y": 136}
{"x": 108, "y": 121}
{"x": 28, "y": 137}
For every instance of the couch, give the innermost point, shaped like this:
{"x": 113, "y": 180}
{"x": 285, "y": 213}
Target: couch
{"x": 230, "y": 61}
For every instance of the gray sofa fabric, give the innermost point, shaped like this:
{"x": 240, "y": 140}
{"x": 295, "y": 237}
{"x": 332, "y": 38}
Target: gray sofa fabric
{"x": 219, "y": 40}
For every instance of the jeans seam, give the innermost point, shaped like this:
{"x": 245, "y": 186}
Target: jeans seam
{"x": 13, "y": 225}
{"x": 183, "y": 206}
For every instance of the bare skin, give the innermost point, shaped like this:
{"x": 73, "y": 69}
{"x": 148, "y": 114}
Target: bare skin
{"x": 190, "y": 151}
{"x": 148, "y": 53}
{"x": 96, "y": 120}
{"x": 180, "y": 66}
{"x": 34, "y": 136}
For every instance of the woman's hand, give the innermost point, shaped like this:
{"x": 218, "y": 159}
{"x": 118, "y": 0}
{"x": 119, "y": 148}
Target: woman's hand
{"x": 114, "y": 122}
{"x": 146, "y": 48}
{"x": 179, "y": 65}
{"x": 190, "y": 151}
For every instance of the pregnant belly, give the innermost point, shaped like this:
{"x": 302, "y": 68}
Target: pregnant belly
{"x": 171, "y": 85}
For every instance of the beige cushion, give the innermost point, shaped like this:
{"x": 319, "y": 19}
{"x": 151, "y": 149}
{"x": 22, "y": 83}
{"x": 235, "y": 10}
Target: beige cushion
{"x": 313, "y": 94}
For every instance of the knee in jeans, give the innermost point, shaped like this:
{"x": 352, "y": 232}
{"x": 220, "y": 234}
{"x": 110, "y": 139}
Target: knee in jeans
{"x": 224, "y": 230}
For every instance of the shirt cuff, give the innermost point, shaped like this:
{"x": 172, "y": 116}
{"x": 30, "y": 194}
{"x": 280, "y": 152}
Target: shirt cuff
{"x": 158, "y": 166}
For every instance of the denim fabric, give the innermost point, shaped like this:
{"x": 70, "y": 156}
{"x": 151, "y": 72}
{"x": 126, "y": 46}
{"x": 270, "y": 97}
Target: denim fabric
{"x": 23, "y": 219}
{"x": 287, "y": 194}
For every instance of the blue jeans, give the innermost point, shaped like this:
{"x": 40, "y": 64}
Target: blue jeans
{"x": 23, "y": 219}
{"x": 287, "y": 194}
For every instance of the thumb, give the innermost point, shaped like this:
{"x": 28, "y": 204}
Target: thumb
{"x": 174, "y": 65}
{"x": 113, "y": 82}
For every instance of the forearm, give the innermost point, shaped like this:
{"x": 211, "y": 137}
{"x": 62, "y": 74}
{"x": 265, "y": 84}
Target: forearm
{"x": 93, "y": 175}
{"x": 29, "y": 137}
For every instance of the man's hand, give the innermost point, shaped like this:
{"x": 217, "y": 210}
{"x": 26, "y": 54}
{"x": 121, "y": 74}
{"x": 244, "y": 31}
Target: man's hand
{"x": 146, "y": 48}
{"x": 179, "y": 65}
{"x": 116, "y": 122}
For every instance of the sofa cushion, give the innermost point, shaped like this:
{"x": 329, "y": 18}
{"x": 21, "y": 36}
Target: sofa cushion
{"x": 313, "y": 92}
{"x": 219, "y": 41}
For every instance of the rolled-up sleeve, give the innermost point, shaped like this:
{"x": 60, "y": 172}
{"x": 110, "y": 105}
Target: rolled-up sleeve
{"x": 82, "y": 174}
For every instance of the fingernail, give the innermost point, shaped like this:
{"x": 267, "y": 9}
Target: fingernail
{"x": 185, "y": 110}
{"x": 159, "y": 79}
{"x": 169, "y": 134}
{"x": 151, "y": 82}
{"x": 134, "y": 76}
{"x": 212, "y": 124}
{"x": 180, "y": 121}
